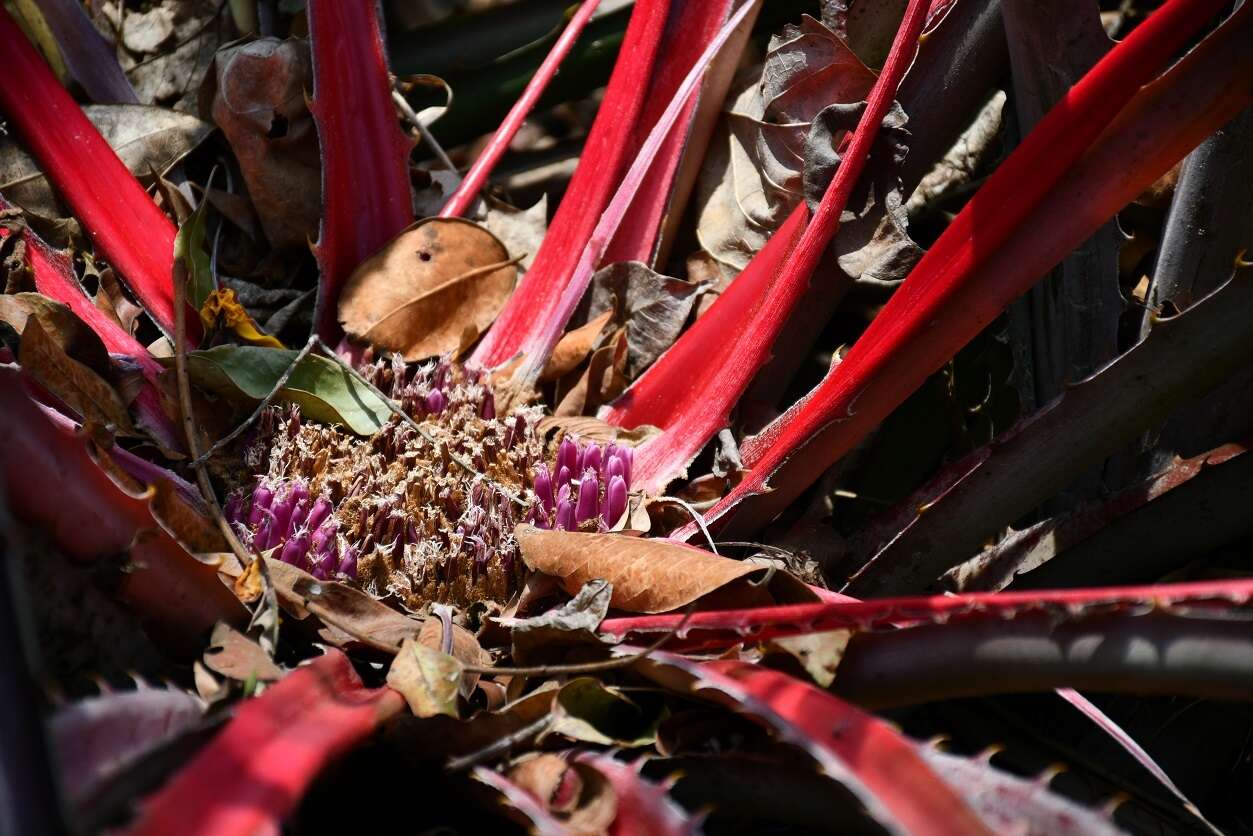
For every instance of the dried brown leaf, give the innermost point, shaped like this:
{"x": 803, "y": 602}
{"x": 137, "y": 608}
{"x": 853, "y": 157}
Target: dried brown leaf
{"x": 59, "y": 324}
{"x": 648, "y": 575}
{"x": 231, "y": 653}
{"x": 255, "y": 93}
{"x": 463, "y": 647}
{"x": 819, "y": 653}
{"x": 84, "y": 391}
{"x": 602, "y": 381}
{"x": 431, "y": 291}
{"x": 574, "y": 347}
{"x": 428, "y": 679}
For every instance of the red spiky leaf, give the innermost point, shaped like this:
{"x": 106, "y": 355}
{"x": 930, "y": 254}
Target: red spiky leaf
{"x": 879, "y": 766}
{"x": 250, "y": 778}
{"x": 1042, "y": 201}
{"x": 692, "y": 407}
{"x": 123, "y": 222}
{"x": 365, "y": 170}
{"x": 52, "y": 482}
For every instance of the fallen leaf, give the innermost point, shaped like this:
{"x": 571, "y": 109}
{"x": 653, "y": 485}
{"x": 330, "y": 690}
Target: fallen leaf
{"x": 751, "y": 179}
{"x": 653, "y": 308}
{"x": 867, "y": 25}
{"x": 222, "y": 307}
{"x": 819, "y": 653}
{"x": 255, "y": 92}
{"x": 145, "y": 138}
{"x": 520, "y": 230}
{"x": 587, "y": 428}
{"x": 575, "y": 620}
{"x": 231, "y": 653}
{"x": 324, "y": 390}
{"x": 648, "y": 575}
{"x": 60, "y": 324}
{"x": 602, "y": 381}
{"x": 115, "y": 303}
{"x": 82, "y": 390}
{"x": 587, "y": 711}
{"x": 463, "y": 647}
{"x": 353, "y": 612}
{"x": 96, "y": 738}
{"x": 574, "y": 347}
{"x": 433, "y": 289}
{"x": 426, "y": 678}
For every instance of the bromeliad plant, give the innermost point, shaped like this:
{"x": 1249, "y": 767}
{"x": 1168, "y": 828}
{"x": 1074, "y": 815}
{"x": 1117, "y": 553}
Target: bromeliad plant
{"x": 455, "y": 513}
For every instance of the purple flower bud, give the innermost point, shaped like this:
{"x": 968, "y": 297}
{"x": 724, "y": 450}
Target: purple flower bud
{"x": 348, "y": 563}
{"x": 591, "y": 458}
{"x": 627, "y": 456}
{"x": 564, "y": 493}
{"x": 488, "y": 411}
{"x": 586, "y": 508}
{"x": 436, "y": 402}
{"x": 537, "y": 515}
{"x": 262, "y": 498}
{"x": 264, "y": 537}
{"x": 615, "y": 500}
{"x": 544, "y": 488}
{"x": 319, "y": 512}
{"x": 565, "y": 515}
{"x": 282, "y": 510}
{"x": 568, "y": 456}
{"x": 614, "y": 467}
{"x": 295, "y": 550}
{"x": 324, "y": 540}
{"x": 234, "y": 509}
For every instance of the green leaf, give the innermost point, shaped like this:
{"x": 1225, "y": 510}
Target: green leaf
{"x": 189, "y": 249}
{"x": 325, "y": 391}
{"x": 594, "y": 713}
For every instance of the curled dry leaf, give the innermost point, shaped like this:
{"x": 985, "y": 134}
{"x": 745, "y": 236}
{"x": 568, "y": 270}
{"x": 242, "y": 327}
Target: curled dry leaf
{"x": 80, "y": 388}
{"x": 146, "y": 138}
{"x": 590, "y": 712}
{"x": 353, "y": 612}
{"x": 575, "y": 620}
{"x": 59, "y": 324}
{"x": 587, "y": 428}
{"x": 602, "y": 381}
{"x": 255, "y": 93}
{"x": 574, "y": 347}
{"x": 433, "y": 290}
{"x": 428, "y": 679}
{"x": 648, "y": 575}
{"x": 752, "y": 178}
{"x": 652, "y": 308}
{"x": 231, "y": 653}
{"x": 463, "y": 647}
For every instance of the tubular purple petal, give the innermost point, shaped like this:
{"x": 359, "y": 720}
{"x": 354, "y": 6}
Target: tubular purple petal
{"x": 320, "y": 511}
{"x": 295, "y": 550}
{"x": 615, "y": 500}
{"x": 262, "y": 498}
{"x": 591, "y": 458}
{"x": 436, "y": 402}
{"x": 544, "y": 487}
{"x": 568, "y": 455}
{"x": 589, "y": 490}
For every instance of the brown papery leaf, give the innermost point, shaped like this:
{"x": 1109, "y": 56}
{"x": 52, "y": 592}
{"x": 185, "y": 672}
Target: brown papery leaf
{"x": 574, "y": 347}
{"x": 233, "y": 654}
{"x": 602, "y": 381}
{"x": 463, "y": 647}
{"x": 648, "y": 575}
{"x": 84, "y": 391}
{"x": 434, "y": 288}
{"x": 60, "y": 324}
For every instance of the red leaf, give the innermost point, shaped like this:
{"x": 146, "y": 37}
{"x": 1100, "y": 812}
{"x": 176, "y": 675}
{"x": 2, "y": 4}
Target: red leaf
{"x": 365, "y": 169}
{"x": 119, "y": 216}
{"x": 54, "y": 277}
{"x": 474, "y": 179}
{"x": 253, "y": 774}
{"x": 52, "y": 482}
{"x": 682, "y": 393}
{"x": 1019, "y": 224}
{"x": 879, "y": 766}
{"x": 730, "y": 627}
{"x": 607, "y": 154}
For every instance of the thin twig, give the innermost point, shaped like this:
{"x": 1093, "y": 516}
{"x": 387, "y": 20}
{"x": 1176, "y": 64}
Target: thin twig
{"x": 265, "y": 402}
{"x": 587, "y": 667}
{"x": 269, "y": 598}
{"x": 399, "y": 411}
{"x": 412, "y": 118}
{"x": 503, "y": 746}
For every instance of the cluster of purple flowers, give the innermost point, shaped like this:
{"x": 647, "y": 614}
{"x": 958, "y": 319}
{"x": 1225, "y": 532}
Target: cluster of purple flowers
{"x": 431, "y": 388}
{"x": 303, "y": 529}
{"x": 589, "y": 483}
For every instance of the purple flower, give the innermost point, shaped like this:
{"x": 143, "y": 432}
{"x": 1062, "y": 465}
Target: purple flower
{"x": 600, "y": 493}
{"x": 615, "y": 501}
